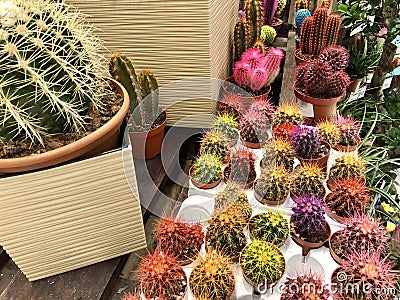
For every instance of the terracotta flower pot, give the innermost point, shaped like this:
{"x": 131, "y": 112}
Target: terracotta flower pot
{"x": 103, "y": 139}
{"x": 343, "y": 148}
{"x": 334, "y": 216}
{"x": 305, "y": 245}
{"x": 203, "y": 186}
{"x": 262, "y": 200}
{"x": 332, "y": 251}
{"x": 146, "y": 145}
{"x": 302, "y": 58}
{"x": 250, "y": 144}
{"x": 321, "y": 162}
{"x": 323, "y": 108}
{"x": 276, "y": 24}
{"x": 354, "y": 84}
{"x": 247, "y": 185}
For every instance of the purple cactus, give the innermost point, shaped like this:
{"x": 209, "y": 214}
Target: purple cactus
{"x": 241, "y": 15}
{"x": 253, "y": 57}
{"x": 269, "y": 9}
{"x": 308, "y": 218}
{"x": 306, "y": 141}
{"x": 338, "y": 84}
{"x": 317, "y": 78}
{"x": 336, "y": 56}
{"x": 241, "y": 73}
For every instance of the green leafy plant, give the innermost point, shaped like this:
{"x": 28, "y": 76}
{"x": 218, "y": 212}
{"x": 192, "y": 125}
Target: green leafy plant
{"x": 270, "y": 227}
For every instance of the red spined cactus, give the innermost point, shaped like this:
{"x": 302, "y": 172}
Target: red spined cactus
{"x": 254, "y": 125}
{"x": 306, "y": 285}
{"x": 301, "y": 73}
{"x": 348, "y": 197}
{"x": 131, "y": 296}
{"x": 160, "y": 276}
{"x": 265, "y": 107}
{"x": 349, "y": 131}
{"x": 317, "y": 78}
{"x": 332, "y": 29}
{"x": 318, "y": 40}
{"x": 181, "y": 239}
{"x": 306, "y": 35}
{"x": 336, "y": 56}
{"x": 231, "y": 104}
{"x": 241, "y": 167}
{"x": 337, "y": 84}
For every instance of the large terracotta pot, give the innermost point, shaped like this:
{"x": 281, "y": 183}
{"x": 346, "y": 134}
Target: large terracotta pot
{"x": 324, "y": 108}
{"x": 103, "y": 139}
{"x": 146, "y": 145}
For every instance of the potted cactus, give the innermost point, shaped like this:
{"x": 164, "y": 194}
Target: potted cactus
{"x": 147, "y": 123}
{"x": 347, "y": 197}
{"x": 160, "y": 275}
{"x": 367, "y": 271}
{"x": 309, "y": 228}
{"x": 213, "y": 142}
{"x": 241, "y": 168}
{"x": 253, "y": 129}
{"x": 265, "y": 107}
{"x": 209, "y": 270}
{"x": 361, "y": 232}
{"x": 179, "y": 238}
{"x": 268, "y": 35}
{"x": 309, "y": 147}
{"x": 299, "y": 18}
{"x": 323, "y": 82}
{"x": 262, "y": 263}
{"x": 66, "y": 108}
{"x": 329, "y": 131}
{"x": 348, "y": 165}
{"x": 285, "y": 117}
{"x": 241, "y": 36}
{"x": 308, "y": 285}
{"x": 280, "y": 152}
{"x": 231, "y": 104}
{"x": 227, "y": 125}
{"x": 206, "y": 172}
{"x": 273, "y": 186}
{"x": 349, "y": 134}
{"x": 270, "y": 227}
{"x": 308, "y": 179}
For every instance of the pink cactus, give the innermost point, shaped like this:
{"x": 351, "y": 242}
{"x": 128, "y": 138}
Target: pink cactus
{"x": 258, "y": 79}
{"x": 272, "y": 63}
{"x": 242, "y": 73}
{"x": 253, "y": 57}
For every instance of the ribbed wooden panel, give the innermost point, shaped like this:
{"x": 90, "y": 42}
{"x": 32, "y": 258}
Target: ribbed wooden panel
{"x": 67, "y": 217}
{"x": 176, "y": 39}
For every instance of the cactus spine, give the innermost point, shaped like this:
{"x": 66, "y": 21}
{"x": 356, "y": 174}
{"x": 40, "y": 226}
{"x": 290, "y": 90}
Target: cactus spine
{"x": 269, "y": 10}
{"x": 242, "y": 168}
{"x": 288, "y": 113}
{"x": 241, "y": 37}
{"x": 227, "y": 125}
{"x": 306, "y": 141}
{"x": 254, "y": 125}
{"x": 255, "y": 18}
{"x": 329, "y": 131}
{"x": 312, "y": 287}
{"x": 349, "y": 165}
{"x": 213, "y": 143}
{"x": 281, "y": 152}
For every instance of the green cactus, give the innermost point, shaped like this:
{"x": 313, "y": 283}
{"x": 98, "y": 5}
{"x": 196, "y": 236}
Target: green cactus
{"x": 213, "y": 142}
{"x": 148, "y": 107}
{"x": 227, "y": 125}
{"x": 51, "y": 70}
{"x": 349, "y": 165}
{"x": 259, "y": 44}
{"x": 270, "y": 227}
{"x": 241, "y": 37}
{"x": 255, "y": 18}
{"x": 279, "y": 152}
{"x": 308, "y": 180}
{"x": 280, "y": 7}
{"x": 273, "y": 184}
{"x": 329, "y": 132}
{"x": 207, "y": 169}
{"x": 262, "y": 263}
{"x": 303, "y": 4}
{"x": 268, "y": 34}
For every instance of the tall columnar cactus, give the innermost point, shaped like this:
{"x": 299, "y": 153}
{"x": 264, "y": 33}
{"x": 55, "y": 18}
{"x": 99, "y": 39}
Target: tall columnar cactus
{"x": 254, "y": 15}
{"x": 242, "y": 168}
{"x": 329, "y": 131}
{"x": 308, "y": 180}
{"x": 306, "y": 141}
{"x": 280, "y": 7}
{"x": 306, "y": 35}
{"x": 227, "y": 125}
{"x": 336, "y": 56}
{"x": 149, "y": 105}
{"x": 268, "y": 35}
{"x": 349, "y": 165}
{"x": 262, "y": 262}
{"x": 209, "y": 270}
{"x": 265, "y": 107}
{"x": 308, "y": 219}
{"x": 272, "y": 63}
{"x": 254, "y": 126}
{"x": 207, "y": 168}
{"x": 348, "y": 197}
{"x": 213, "y": 142}
{"x": 273, "y": 184}
{"x": 160, "y": 275}
{"x": 300, "y": 16}
{"x": 280, "y": 152}
{"x": 311, "y": 286}
{"x": 51, "y": 70}
{"x": 288, "y": 113}
{"x": 269, "y": 10}
{"x": 241, "y": 36}
{"x": 303, "y": 4}
{"x": 349, "y": 131}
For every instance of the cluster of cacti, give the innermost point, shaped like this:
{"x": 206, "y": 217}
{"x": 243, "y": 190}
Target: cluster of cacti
{"x": 361, "y": 232}
{"x": 308, "y": 218}
{"x": 254, "y": 15}
{"x": 300, "y": 16}
{"x": 348, "y": 197}
{"x": 280, "y": 152}
{"x": 364, "y": 275}
{"x": 142, "y": 89}
{"x": 212, "y": 277}
{"x": 329, "y": 131}
{"x": 179, "y": 238}
{"x": 273, "y": 184}
{"x": 254, "y": 126}
{"x": 349, "y": 131}
{"x": 270, "y": 227}
{"x": 303, "y": 4}
{"x": 241, "y": 166}
{"x": 256, "y": 71}
{"x": 308, "y": 180}
{"x": 280, "y": 7}
{"x": 160, "y": 276}
{"x": 336, "y": 56}
{"x": 51, "y": 71}
{"x": 213, "y": 142}
{"x": 268, "y": 35}
{"x": 207, "y": 168}
{"x": 262, "y": 263}
{"x": 225, "y": 232}
{"x": 288, "y": 113}
{"x": 348, "y": 165}
{"x": 227, "y": 125}
{"x": 231, "y": 104}
{"x": 318, "y": 32}
{"x": 269, "y": 9}
{"x": 305, "y": 285}
{"x": 306, "y": 141}
{"x": 241, "y": 36}
{"x": 265, "y": 107}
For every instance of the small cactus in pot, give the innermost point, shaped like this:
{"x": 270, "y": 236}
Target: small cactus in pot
{"x": 329, "y": 131}
{"x": 213, "y": 142}
{"x": 231, "y": 104}
{"x": 227, "y": 125}
{"x": 305, "y": 285}
{"x": 300, "y": 16}
{"x": 179, "y": 238}
{"x": 265, "y": 107}
{"x": 273, "y": 186}
{"x": 288, "y": 113}
{"x": 349, "y": 134}
{"x": 206, "y": 170}
{"x": 361, "y": 232}
{"x": 280, "y": 152}
{"x": 262, "y": 263}
{"x": 160, "y": 275}
{"x": 253, "y": 128}
{"x": 233, "y": 196}
{"x": 268, "y": 35}
{"x": 308, "y": 179}
{"x": 214, "y": 268}
{"x": 348, "y": 165}
{"x": 241, "y": 169}
{"x": 270, "y": 227}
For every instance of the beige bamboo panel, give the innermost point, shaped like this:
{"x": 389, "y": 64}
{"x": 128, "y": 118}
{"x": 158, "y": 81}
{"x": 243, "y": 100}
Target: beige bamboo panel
{"x": 176, "y": 39}
{"x": 71, "y": 216}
